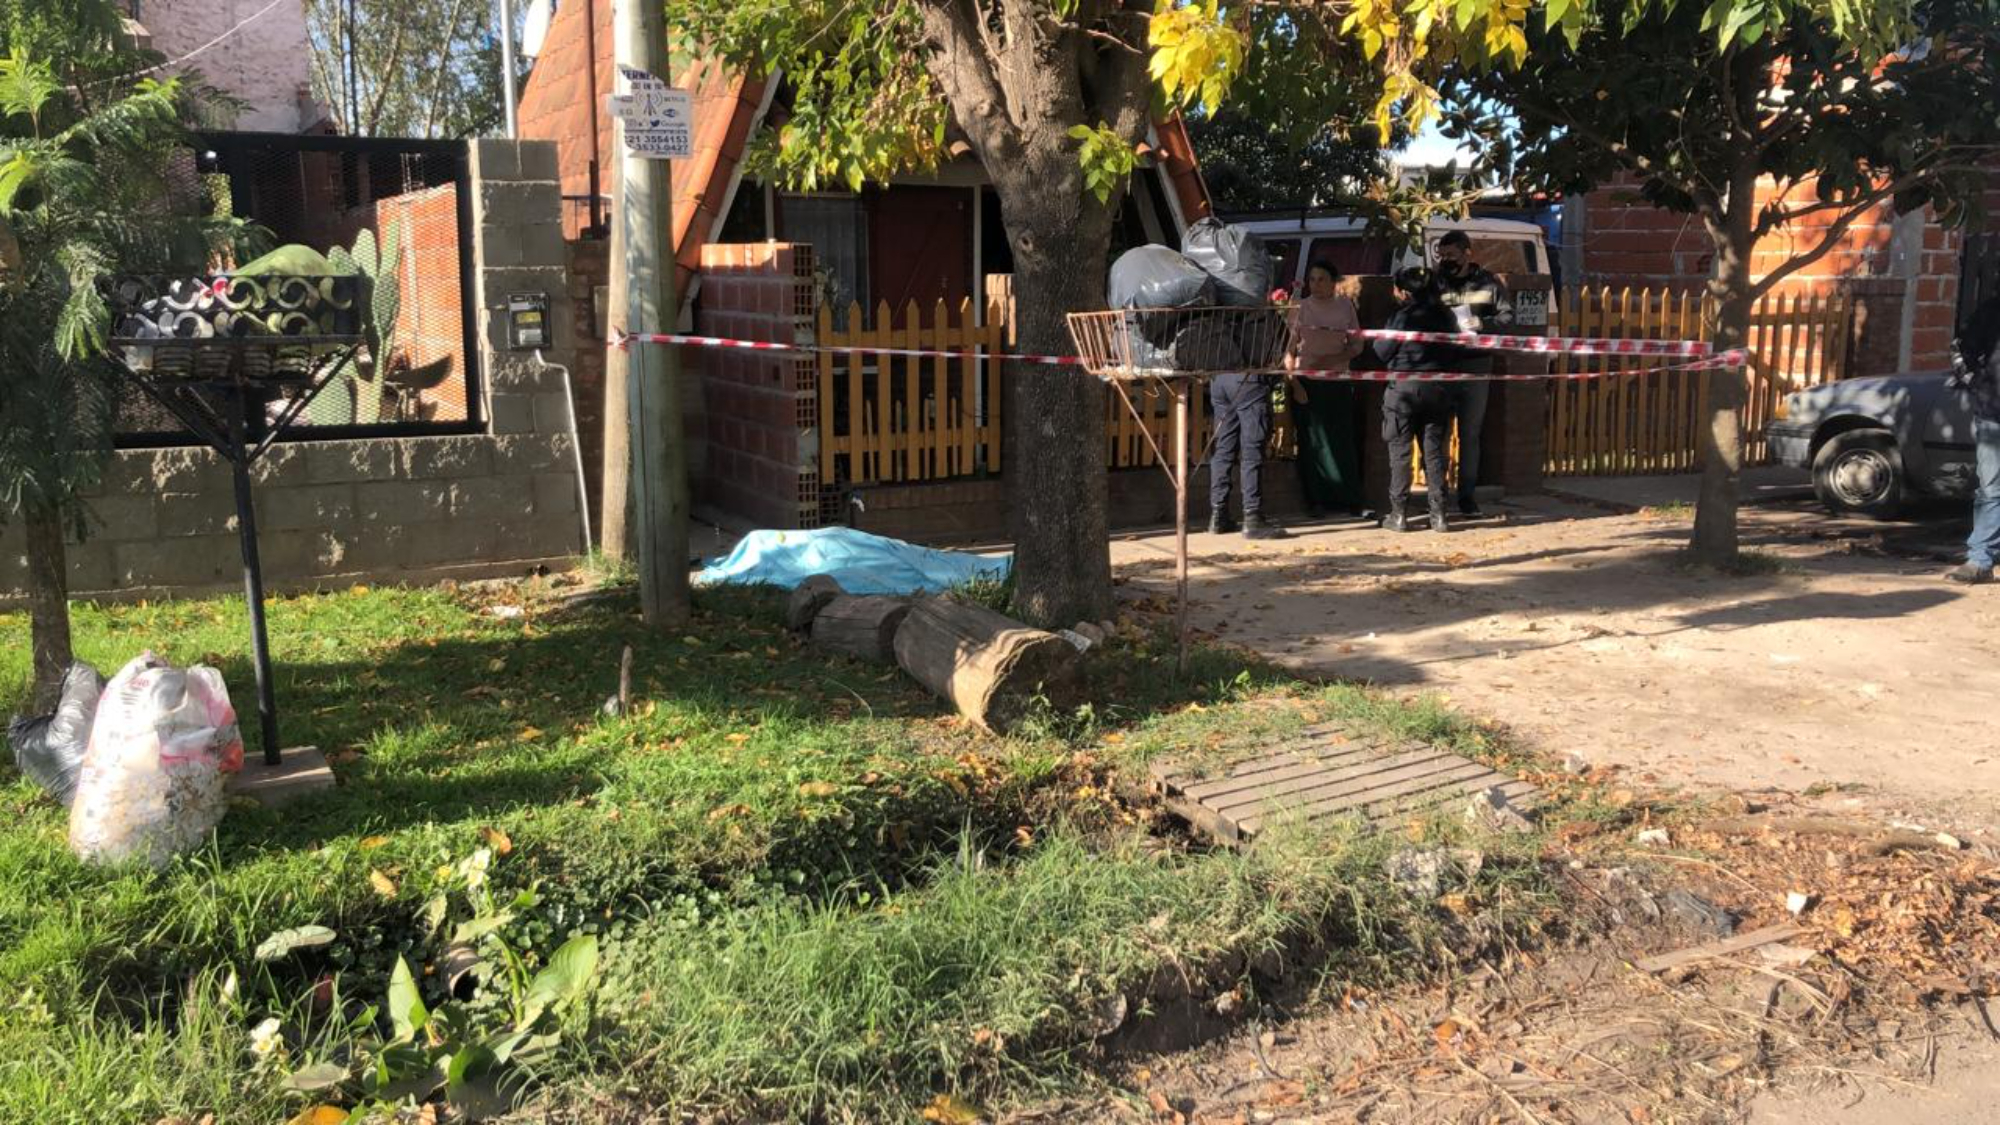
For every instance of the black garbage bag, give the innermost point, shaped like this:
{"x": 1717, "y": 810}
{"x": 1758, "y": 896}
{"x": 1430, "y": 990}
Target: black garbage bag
{"x": 49, "y": 749}
{"x": 1158, "y": 277}
{"x": 1232, "y": 256}
{"x": 1207, "y": 343}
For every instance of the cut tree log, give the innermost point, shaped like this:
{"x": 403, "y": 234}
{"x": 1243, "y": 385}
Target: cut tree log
{"x": 991, "y": 667}
{"x": 808, "y": 598}
{"x": 864, "y": 628}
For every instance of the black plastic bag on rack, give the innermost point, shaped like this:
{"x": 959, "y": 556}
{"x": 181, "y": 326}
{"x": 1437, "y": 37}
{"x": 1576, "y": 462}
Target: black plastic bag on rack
{"x": 1232, "y": 256}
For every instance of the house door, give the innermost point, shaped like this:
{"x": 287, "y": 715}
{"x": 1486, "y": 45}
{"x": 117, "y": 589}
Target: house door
{"x": 920, "y": 245}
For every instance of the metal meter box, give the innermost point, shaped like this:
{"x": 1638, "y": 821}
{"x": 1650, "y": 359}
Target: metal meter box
{"x": 527, "y": 321}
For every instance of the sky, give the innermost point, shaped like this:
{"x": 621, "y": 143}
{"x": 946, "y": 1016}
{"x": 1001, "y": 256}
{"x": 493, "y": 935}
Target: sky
{"x": 1431, "y": 147}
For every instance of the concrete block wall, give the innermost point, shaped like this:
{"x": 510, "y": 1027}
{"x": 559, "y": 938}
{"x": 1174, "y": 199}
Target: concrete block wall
{"x": 475, "y": 505}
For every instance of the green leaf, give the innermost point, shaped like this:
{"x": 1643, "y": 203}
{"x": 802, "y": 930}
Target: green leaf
{"x": 406, "y": 1006}
{"x": 1080, "y": 132}
{"x": 469, "y": 932}
{"x": 286, "y": 942}
{"x": 472, "y": 1083}
{"x": 319, "y": 1076}
{"x": 564, "y": 980}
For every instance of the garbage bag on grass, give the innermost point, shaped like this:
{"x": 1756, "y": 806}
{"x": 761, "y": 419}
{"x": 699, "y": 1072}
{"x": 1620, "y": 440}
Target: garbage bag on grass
{"x": 155, "y": 776}
{"x": 1232, "y": 256}
{"x": 860, "y": 562}
{"x": 50, "y": 749}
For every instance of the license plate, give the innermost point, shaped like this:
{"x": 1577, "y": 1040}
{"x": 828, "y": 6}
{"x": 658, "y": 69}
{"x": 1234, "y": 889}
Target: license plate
{"x": 1531, "y": 309}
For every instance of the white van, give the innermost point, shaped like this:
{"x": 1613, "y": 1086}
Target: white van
{"x": 1504, "y": 246}
{"x": 1501, "y": 245}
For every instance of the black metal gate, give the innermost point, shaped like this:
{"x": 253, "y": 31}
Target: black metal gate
{"x": 395, "y": 211}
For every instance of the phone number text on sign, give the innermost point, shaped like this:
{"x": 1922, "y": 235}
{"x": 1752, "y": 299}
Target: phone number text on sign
{"x": 659, "y": 119}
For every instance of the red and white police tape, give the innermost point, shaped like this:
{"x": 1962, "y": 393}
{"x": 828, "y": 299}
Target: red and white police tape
{"x": 1539, "y": 345}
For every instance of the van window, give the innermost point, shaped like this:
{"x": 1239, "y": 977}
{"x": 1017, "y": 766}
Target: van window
{"x": 1501, "y": 255}
{"x": 1285, "y": 269}
{"x": 1353, "y": 256}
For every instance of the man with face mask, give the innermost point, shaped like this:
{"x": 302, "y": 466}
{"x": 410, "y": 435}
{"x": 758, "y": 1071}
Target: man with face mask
{"x": 1476, "y": 299}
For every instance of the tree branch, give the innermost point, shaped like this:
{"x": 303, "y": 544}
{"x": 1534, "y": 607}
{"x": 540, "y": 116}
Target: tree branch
{"x": 1856, "y": 209}
{"x": 968, "y": 73}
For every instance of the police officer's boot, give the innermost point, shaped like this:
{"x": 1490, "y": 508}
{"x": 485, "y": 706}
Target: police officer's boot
{"x": 1396, "y": 520}
{"x": 1219, "y": 522}
{"x": 1255, "y": 526}
{"x": 1438, "y": 521}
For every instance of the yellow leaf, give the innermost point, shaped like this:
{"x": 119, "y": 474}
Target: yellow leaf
{"x": 320, "y": 1115}
{"x": 529, "y": 734}
{"x": 948, "y": 1109}
{"x": 370, "y": 843}
{"x": 1114, "y": 738}
{"x": 497, "y": 664}
{"x": 497, "y": 840}
{"x": 384, "y": 886}
{"x": 737, "y": 737}
{"x": 818, "y": 789}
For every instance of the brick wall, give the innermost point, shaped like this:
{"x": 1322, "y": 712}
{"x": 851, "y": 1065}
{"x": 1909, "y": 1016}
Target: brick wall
{"x": 1625, "y": 241}
{"x": 430, "y": 320}
{"x": 759, "y": 445}
{"x": 266, "y": 64}
{"x": 589, "y": 271}
{"x": 389, "y": 509}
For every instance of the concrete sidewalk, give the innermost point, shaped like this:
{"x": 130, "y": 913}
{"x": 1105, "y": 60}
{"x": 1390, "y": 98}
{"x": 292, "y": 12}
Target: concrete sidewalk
{"x": 1766, "y": 484}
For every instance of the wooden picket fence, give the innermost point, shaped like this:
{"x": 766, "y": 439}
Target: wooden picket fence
{"x": 880, "y": 415}
{"x": 1643, "y": 420}
{"x": 886, "y": 418}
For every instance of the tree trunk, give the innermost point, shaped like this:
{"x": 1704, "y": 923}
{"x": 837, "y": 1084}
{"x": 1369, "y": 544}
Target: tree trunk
{"x": 992, "y": 668}
{"x": 1053, "y": 417}
{"x": 1731, "y": 224}
{"x": 48, "y": 606}
{"x": 863, "y": 628}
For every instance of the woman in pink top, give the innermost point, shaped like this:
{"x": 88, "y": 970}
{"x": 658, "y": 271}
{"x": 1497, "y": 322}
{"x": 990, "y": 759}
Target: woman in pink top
{"x": 1323, "y": 323}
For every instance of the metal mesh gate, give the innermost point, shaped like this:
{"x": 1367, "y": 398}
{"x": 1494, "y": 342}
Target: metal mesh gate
{"x": 397, "y": 212}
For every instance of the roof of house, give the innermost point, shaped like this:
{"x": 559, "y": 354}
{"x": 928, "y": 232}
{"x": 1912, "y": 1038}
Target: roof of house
{"x": 565, "y": 95}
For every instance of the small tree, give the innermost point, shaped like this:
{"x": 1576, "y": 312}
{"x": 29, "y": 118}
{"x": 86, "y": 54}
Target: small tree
{"x": 84, "y": 191}
{"x": 1834, "y": 108}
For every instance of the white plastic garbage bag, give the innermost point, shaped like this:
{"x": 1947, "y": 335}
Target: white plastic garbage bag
{"x": 155, "y": 775}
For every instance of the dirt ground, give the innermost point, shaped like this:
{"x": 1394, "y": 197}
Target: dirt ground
{"x": 1841, "y": 676}
{"x": 1850, "y": 668}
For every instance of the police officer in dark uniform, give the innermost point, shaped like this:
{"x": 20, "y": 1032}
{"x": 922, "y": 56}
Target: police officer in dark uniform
{"x": 1413, "y": 407}
{"x": 1474, "y": 295}
{"x": 1241, "y": 405}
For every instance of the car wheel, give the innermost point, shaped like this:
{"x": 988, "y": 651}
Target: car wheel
{"x": 1861, "y": 473}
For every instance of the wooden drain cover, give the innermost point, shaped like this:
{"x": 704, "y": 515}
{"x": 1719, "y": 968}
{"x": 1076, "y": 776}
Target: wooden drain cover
{"x": 1325, "y": 774}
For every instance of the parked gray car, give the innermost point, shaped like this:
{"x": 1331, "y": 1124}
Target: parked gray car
{"x": 1872, "y": 443}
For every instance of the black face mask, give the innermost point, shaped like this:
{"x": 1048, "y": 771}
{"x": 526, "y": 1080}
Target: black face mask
{"x": 1451, "y": 268}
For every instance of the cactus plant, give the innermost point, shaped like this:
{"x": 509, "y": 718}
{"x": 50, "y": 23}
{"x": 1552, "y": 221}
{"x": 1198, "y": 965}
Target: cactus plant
{"x": 380, "y": 266}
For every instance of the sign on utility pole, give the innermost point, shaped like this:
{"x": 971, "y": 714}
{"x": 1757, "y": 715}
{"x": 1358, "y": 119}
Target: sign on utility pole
{"x": 653, "y": 125}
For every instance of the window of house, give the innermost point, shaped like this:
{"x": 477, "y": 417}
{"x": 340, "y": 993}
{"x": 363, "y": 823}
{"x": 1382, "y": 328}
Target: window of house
{"x": 836, "y": 227}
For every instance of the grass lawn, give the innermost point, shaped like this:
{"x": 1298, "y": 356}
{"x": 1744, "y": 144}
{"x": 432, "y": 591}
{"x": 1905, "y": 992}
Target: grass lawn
{"x": 811, "y": 890}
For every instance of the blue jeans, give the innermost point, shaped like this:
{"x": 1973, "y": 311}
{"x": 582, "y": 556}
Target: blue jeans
{"x": 1983, "y": 546}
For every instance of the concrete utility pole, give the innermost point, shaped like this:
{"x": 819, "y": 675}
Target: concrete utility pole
{"x": 659, "y": 450}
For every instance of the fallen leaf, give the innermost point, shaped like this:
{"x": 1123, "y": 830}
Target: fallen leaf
{"x": 1448, "y": 1034}
{"x": 529, "y": 734}
{"x": 737, "y": 737}
{"x": 370, "y": 843}
{"x": 1161, "y": 1106}
{"x": 949, "y": 1109}
{"x": 818, "y": 789}
{"x": 1114, "y": 738}
{"x": 384, "y": 886}
{"x": 497, "y": 664}
{"x": 493, "y": 838}
{"x": 725, "y": 811}
{"x": 320, "y": 1115}
{"x": 1024, "y": 836}
{"x": 1456, "y": 903}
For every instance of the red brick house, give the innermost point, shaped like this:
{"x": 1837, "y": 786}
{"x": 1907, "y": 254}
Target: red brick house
{"x": 1907, "y": 277}
{"x": 922, "y": 239}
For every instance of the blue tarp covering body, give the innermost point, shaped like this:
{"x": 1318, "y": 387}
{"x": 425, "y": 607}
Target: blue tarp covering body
{"x": 860, "y": 562}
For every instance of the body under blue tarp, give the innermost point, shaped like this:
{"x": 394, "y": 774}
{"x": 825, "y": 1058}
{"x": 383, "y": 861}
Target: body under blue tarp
{"x": 860, "y": 562}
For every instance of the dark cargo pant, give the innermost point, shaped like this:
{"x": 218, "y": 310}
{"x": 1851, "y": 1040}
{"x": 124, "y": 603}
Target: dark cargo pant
{"x": 1241, "y": 406}
{"x": 1410, "y": 410}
